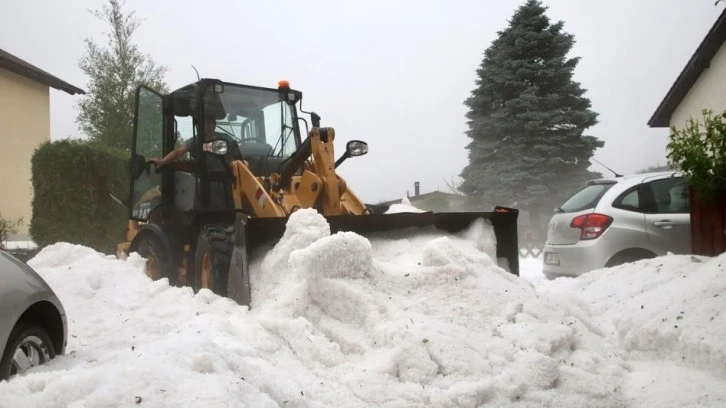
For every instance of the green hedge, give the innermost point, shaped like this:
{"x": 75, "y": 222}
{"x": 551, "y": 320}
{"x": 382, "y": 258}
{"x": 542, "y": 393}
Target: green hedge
{"x": 71, "y": 203}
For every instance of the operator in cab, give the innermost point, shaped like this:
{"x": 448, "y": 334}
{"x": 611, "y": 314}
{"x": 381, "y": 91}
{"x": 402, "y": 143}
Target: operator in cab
{"x": 210, "y": 124}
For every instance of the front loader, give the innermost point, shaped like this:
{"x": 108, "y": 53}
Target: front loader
{"x": 246, "y": 170}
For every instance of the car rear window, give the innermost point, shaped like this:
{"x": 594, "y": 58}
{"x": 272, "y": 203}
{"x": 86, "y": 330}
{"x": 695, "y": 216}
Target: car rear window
{"x": 586, "y": 198}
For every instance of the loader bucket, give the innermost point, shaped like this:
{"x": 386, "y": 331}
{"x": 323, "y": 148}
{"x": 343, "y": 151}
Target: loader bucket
{"x": 251, "y": 233}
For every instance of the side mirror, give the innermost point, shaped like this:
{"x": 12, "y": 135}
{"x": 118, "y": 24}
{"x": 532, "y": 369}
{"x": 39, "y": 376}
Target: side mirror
{"x": 137, "y": 165}
{"x": 353, "y": 148}
{"x": 216, "y": 146}
{"x": 356, "y": 148}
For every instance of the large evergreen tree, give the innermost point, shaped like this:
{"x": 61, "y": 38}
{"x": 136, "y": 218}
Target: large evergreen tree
{"x": 106, "y": 112}
{"x": 527, "y": 117}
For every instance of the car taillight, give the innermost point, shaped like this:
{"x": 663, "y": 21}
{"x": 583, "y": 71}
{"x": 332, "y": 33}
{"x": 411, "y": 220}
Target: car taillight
{"x": 591, "y": 225}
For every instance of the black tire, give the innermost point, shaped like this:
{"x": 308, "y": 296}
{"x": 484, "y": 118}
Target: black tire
{"x": 33, "y": 342}
{"x": 212, "y": 258}
{"x": 157, "y": 259}
{"x": 551, "y": 276}
{"x": 627, "y": 256}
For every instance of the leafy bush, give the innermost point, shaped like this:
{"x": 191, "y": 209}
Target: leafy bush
{"x": 72, "y": 183}
{"x": 699, "y": 151}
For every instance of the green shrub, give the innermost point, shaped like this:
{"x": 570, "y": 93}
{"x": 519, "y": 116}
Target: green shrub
{"x": 699, "y": 151}
{"x": 72, "y": 181}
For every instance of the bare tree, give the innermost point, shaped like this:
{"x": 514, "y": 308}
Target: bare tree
{"x": 7, "y": 228}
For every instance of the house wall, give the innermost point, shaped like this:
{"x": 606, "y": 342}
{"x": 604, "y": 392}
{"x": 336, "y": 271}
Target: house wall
{"x": 709, "y": 92}
{"x": 24, "y": 124}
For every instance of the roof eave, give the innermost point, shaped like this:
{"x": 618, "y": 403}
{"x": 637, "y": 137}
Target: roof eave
{"x": 33, "y": 73}
{"x": 59, "y": 85}
{"x": 699, "y": 61}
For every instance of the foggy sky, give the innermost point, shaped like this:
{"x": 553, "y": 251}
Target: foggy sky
{"x": 394, "y": 74}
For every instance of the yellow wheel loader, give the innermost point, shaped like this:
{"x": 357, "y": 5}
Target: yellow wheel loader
{"x": 246, "y": 169}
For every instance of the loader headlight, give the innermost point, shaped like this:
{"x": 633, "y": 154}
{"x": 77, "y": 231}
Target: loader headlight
{"x": 356, "y": 148}
{"x": 218, "y": 146}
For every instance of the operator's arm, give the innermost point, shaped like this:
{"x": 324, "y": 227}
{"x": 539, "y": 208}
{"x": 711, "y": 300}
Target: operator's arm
{"x": 173, "y": 155}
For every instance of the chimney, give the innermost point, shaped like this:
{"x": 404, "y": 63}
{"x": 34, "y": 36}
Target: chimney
{"x": 416, "y": 189}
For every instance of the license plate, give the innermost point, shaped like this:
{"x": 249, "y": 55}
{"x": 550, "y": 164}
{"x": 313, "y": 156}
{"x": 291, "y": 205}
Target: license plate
{"x": 552, "y": 258}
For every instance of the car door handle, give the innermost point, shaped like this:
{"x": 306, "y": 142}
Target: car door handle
{"x": 665, "y": 224}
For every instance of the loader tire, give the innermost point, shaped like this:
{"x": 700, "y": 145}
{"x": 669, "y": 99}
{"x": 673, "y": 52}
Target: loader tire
{"x": 157, "y": 260}
{"x": 212, "y": 258}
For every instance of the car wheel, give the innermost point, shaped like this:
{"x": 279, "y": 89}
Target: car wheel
{"x": 552, "y": 276}
{"x": 628, "y": 256}
{"x": 28, "y": 346}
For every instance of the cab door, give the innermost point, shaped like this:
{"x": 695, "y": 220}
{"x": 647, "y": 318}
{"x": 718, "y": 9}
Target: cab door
{"x": 147, "y": 142}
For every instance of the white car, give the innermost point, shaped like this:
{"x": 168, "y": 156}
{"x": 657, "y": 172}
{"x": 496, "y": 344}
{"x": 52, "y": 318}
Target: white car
{"x": 618, "y": 220}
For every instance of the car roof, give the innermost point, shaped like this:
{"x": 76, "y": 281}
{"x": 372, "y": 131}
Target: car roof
{"x": 624, "y": 183}
{"x": 633, "y": 178}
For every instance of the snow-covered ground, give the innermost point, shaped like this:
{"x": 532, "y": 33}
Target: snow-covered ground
{"x": 19, "y": 245}
{"x": 422, "y": 320}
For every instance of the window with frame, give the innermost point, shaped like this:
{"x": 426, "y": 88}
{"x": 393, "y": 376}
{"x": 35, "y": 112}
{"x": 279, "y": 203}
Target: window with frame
{"x": 184, "y": 128}
{"x": 670, "y": 196}
{"x": 587, "y": 197}
{"x": 630, "y": 200}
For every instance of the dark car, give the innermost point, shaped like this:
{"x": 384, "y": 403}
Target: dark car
{"x": 33, "y": 326}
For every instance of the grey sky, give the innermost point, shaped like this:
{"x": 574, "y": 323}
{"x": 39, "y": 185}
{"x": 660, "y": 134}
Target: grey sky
{"x": 392, "y": 73}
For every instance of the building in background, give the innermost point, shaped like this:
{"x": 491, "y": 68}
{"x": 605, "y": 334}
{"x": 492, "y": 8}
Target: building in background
{"x": 701, "y": 84}
{"x": 25, "y": 119}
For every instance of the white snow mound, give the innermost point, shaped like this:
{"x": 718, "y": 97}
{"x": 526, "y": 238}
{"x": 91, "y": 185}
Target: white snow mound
{"x": 413, "y": 319}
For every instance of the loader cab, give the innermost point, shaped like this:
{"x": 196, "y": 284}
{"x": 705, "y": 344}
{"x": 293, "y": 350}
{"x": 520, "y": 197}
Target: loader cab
{"x": 259, "y": 125}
